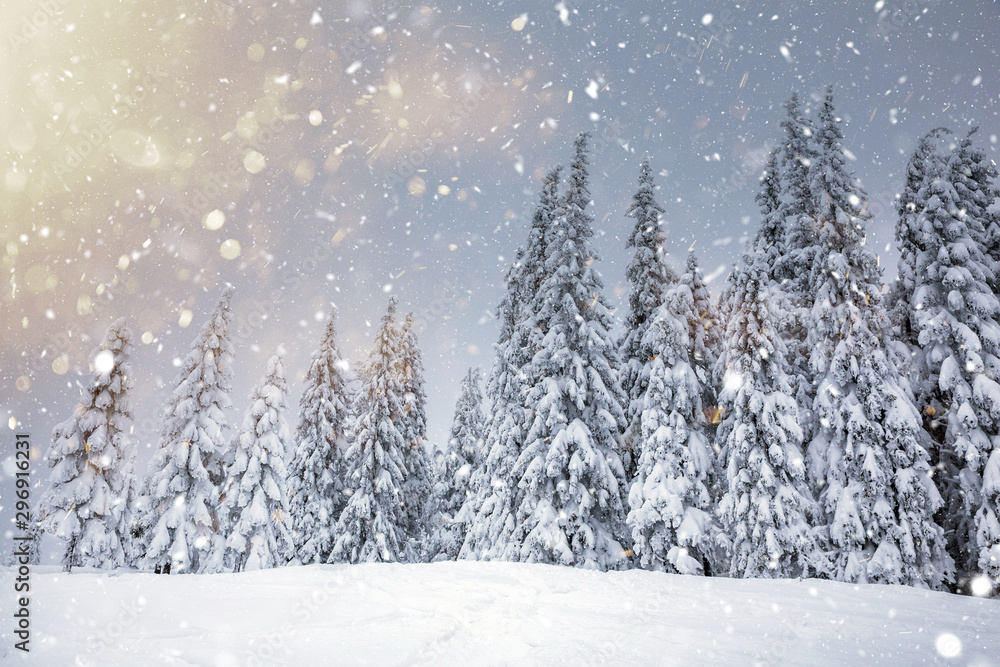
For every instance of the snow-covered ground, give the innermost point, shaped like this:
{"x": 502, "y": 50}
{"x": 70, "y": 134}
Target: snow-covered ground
{"x": 491, "y": 613}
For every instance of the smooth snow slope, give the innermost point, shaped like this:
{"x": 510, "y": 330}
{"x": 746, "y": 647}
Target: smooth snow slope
{"x": 490, "y": 614}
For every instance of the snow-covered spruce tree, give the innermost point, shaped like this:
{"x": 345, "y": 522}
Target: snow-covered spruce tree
{"x": 253, "y": 510}
{"x": 461, "y": 456}
{"x": 373, "y": 525}
{"x": 797, "y": 213}
{"x": 766, "y": 506}
{"x": 83, "y": 504}
{"x": 671, "y": 518}
{"x": 768, "y": 251}
{"x": 925, "y": 166}
{"x": 532, "y": 270}
{"x": 973, "y": 179}
{"x": 316, "y": 488}
{"x": 868, "y": 457}
{"x": 956, "y": 320}
{"x": 976, "y": 187}
{"x": 649, "y": 276}
{"x": 413, "y": 426}
{"x": 704, "y": 330}
{"x": 572, "y": 484}
{"x": 796, "y": 208}
{"x": 186, "y": 471}
{"x": 915, "y": 241}
{"x": 770, "y": 244}
{"x": 489, "y": 511}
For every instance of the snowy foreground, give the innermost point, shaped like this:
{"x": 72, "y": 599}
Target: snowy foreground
{"x": 492, "y": 613}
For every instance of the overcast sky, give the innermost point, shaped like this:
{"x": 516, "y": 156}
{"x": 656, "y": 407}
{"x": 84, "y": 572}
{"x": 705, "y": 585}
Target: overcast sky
{"x": 339, "y": 152}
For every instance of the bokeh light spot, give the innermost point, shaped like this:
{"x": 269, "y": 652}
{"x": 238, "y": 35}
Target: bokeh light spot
{"x": 60, "y": 365}
{"x": 214, "y": 220}
{"x": 254, "y": 162}
{"x": 230, "y": 249}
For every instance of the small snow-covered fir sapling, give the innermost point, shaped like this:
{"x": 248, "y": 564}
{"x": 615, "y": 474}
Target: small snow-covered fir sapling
{"x": 462, "y": 455}
{"x": 316, "y": 481}
{"x": 85, "y": 503}
{"x": 185, "y": 472}
{"x": 373, "y": 526}
{"x": 253, "y": 512}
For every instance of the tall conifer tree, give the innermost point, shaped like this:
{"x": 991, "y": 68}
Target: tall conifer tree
{"x": 317, "y": 472}
{"x": 868, "y": 457}
{"x": 85, "y": 501}
{"x": 649, "y": 276}
{"x": 189, "y": 466}
{"x": 253, "y": 513}
{"x": 572, "y": 482}
{"x": 373, "y": 526}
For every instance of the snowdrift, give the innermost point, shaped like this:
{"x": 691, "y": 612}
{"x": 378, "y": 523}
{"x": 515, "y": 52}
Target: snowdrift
{"x": 490, "y": 614}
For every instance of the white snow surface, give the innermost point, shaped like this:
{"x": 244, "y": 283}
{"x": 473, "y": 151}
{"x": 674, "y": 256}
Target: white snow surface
{"x": 477, "y": 613}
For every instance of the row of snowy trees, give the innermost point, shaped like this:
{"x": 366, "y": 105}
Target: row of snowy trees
{"x": 797, "y": 427}
{"x": 351, "y": 484}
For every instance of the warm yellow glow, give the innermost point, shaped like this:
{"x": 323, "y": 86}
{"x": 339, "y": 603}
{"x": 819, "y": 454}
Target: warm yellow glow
{"x": 214, "y": 220}
{"x": 230, "y": 249}
{"x": 254, "y": 162}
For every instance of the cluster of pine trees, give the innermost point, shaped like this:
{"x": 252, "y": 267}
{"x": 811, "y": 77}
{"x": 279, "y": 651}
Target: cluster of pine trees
{"x": 811, "y": 422}
{"x": 351, "y": 484}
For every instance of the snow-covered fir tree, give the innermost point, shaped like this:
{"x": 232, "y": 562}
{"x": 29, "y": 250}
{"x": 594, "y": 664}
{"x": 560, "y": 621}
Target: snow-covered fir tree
{"x": 532, "y": 269}
{"x": 671, "y": 518}
{"x": 572, "y": 483}
{"x": 925, "y": 166}
{"x": 770, "y": 243}
{"x": 413, "y": 426}
{"x": 704, "y": 331}
{"x": 253, "y": 511}
{"x": 766, "y": 505}
{"x": 316, "y": 480}
{"x": 868, "y": 458}
{"x": 185, "y": 472}
{"x": 649, "y": 276}
{"x": 489, "y": 512}
{"x": 84, "y": 503}
{"x": 460, "y": 458}
{"x": 796, "y": 208}
{"x": 955, "y": 318}
{"x": 373, "y": 526}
